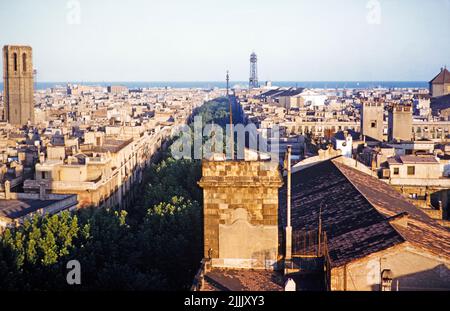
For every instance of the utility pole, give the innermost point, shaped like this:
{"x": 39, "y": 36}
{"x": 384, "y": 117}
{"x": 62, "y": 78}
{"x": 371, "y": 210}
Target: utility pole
{"x": 287, "y": 166}
{"x": 319, "y": 237}
{"x": 231, "y": 118}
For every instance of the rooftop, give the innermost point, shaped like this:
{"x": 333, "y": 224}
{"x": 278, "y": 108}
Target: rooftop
{"x": 412, "y": 159}
{"x": 356, "y": 211}
{"x": 112, "y": 145}
{"x": 17, "y": 208}
{"x": 422, "y": 231}
{"x": 243, "y": 280}
{"x": 341, "y": 135}
{"x": 282, "y": 92}
{"x": 442, "y": 77}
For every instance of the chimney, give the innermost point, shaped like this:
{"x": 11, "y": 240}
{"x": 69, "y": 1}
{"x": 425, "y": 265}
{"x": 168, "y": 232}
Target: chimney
{"x": 7, "y": 186}
{"x": 41, "y": 157}
{"x": 441, "y": 210}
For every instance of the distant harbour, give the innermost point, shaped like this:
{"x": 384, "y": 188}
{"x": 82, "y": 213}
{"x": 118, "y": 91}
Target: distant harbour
{"x": 244, "y": 84}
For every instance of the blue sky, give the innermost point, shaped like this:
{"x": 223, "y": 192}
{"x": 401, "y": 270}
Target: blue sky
{"x": 198, "y": 40}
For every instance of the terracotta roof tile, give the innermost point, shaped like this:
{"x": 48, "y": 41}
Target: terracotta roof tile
{"x": 354, "y": 227}
{"x": 243, "y": 280}
{"x": 422, "y": 231}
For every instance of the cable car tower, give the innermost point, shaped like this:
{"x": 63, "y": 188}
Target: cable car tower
{"x": 253, "y": 81}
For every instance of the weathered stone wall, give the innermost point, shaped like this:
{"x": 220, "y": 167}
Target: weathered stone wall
{"x": 412, "y": 268}
{"x": 241, "y": 212}
{"x": 372, "y": 120}
{"x": 440, "y": 89}
{"x": 400, "y": 123}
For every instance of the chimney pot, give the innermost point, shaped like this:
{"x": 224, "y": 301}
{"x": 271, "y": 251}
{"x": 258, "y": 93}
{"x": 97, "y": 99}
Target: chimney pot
{"x": 7, "y": 186}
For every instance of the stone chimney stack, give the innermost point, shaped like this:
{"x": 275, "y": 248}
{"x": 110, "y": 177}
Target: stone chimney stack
{"x": 41, "y": 157}
{"x": 7, "y": 185}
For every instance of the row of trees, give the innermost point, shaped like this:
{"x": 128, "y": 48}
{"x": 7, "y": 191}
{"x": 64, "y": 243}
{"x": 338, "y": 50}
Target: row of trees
{"x": 154, "y": 245}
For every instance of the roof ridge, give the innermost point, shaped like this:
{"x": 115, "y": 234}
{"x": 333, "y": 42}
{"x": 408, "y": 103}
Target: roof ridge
{"x": 444, "y": 73}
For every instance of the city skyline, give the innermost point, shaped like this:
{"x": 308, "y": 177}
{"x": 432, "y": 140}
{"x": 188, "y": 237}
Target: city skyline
{"x": 177, "y": 41}
{"x": 239, "y": 146}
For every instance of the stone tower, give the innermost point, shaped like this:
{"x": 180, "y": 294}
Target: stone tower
{"x": 372, "y": 120}
{"x": 18, "y": 84}
{"x": 400, "y": 123}
{"x": 241, "y": 213}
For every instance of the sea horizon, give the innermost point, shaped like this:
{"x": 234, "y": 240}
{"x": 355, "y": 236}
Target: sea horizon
{"x": 241, "y": 84}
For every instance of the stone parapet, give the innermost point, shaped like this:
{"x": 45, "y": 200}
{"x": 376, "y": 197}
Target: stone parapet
{"x": 241, "y": 213}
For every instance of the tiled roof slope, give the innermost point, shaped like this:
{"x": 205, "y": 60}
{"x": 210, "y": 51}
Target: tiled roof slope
{"x": 355, "y": 213}
{"x": 243, "y": 280}
{"x": 442, "y": 77}
{"x": 422, "y": 231}
{"x": 354, "y": 228}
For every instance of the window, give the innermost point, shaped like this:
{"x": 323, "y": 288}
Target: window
{"x": 396, "y": 170}
{"x": 386, "y": 280}
{"x": 24, "y": 62}
{"x": 411, "y": 170}
{"x": 15, "y": 61}
{"x": 43, "y": 175}
{"x": 373, "y": 124}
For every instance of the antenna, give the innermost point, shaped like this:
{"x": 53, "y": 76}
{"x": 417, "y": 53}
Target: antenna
{"x": 287, "y": 167}
{"x": 228, "y": 82}
{"x": 231, "y": 118}
{"x": 319, "y": 235}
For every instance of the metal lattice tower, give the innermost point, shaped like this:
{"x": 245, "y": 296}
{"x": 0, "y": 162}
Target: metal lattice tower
{"x": 228, "y": 82}
{"x": 253, "y": 81}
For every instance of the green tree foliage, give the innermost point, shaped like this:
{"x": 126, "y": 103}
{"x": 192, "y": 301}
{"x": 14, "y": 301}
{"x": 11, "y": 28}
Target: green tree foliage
{"x": 217, "y": 111}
